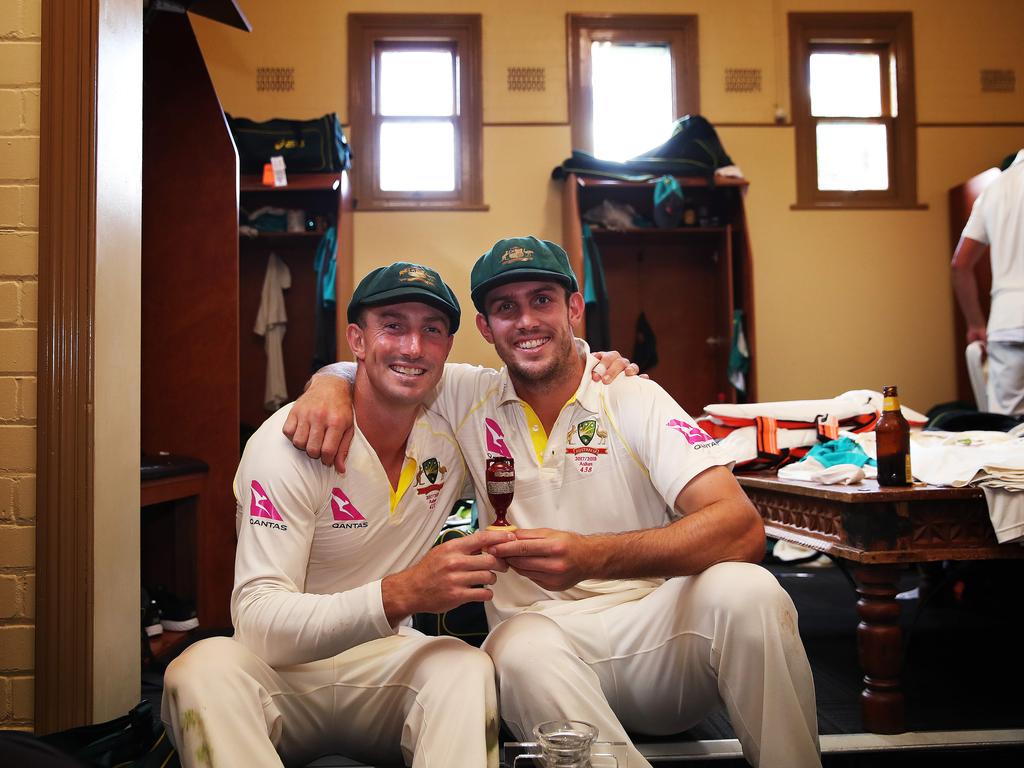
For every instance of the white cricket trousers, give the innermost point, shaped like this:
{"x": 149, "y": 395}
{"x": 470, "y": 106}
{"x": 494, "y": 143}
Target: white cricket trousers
{"x": 426, "y": 701}
{"x": 659, "y": 665}
{"x": 1005, "y": 383}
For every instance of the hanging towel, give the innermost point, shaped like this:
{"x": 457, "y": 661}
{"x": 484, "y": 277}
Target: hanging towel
{"x": 271, "y": 321}
{"x": 739, "y": 357}
{"x": 325, "y": 348}
{"x": 595, "y": 294}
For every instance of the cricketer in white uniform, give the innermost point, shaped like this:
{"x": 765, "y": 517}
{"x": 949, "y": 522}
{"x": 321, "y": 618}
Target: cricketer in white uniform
{"x": 996, "y": 225}
{"x": 330, "y": 566}
{"x": 631, "y": 601}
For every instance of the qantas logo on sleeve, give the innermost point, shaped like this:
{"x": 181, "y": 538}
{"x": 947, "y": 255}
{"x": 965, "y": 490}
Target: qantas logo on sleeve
{"x": 496, "y": 439}
{"x": 694, "y": 435}
{"x": 262, "y": 510}
{"x": 345, "y": 513}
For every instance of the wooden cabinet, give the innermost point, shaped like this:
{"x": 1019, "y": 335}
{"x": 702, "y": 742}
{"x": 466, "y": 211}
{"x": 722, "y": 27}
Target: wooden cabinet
{"x": 961, "y": 201}
{"x": 325, "y": 198}
{"x": 686, "y": 281}
{"x": 189, "y": 387}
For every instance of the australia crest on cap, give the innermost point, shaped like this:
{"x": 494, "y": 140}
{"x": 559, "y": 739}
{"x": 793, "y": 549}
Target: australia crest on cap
{"x": 516, "y": 254}
{"x": 417, "y": 274}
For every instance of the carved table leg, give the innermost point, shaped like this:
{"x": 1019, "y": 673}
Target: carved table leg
{"x": 880, "y": 648}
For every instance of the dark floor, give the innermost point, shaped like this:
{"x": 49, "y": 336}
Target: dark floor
{"x": 964, "y": 662}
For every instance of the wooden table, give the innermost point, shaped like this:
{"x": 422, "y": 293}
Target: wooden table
{"x": 882, "y": 531}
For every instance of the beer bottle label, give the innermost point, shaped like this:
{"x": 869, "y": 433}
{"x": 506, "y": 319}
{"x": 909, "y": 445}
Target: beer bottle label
{"x": 891, "y": 404}
{"x": 910, "y": 476}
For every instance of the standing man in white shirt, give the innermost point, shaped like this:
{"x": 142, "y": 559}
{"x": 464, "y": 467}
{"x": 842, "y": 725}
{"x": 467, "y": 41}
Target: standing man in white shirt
{"x": 329, "y": 568}
{"x": 632, "y": 601}
{"x": 996, "y": 225}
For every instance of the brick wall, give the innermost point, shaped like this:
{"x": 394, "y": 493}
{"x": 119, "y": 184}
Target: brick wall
{"x": 19, "y": 244}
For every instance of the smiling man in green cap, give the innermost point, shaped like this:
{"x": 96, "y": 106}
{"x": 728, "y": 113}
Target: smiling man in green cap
{"x": 330, "y": 566}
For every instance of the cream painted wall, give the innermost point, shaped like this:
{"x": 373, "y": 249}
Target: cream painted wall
{"x": 826, "y": 284}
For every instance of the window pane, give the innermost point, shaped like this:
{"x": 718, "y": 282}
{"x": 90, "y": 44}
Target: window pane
{"x": 417, "y": 156}
{"x": 846, "y": 85}
{"x": 417, "y": 83}
{"x": 632, "y": 87}
{"x": 852, "y": 156}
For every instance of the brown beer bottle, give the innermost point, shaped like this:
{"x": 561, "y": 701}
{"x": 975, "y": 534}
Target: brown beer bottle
{"x": 892, "y": 442}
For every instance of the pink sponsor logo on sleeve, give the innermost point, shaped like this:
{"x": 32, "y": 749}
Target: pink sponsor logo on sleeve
{"x": 262, "y": 511}
{"x": 694, "y": 435}
{"x": 344, "y": 511}
{"x": 260, "y": 504}
{"x": 496, "y": 439}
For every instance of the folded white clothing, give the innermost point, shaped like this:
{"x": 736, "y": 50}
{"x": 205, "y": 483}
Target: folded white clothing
{"x": 812, "y": 470}
{"x": 1006, "y": 510}
{"x": 960, "y": 458}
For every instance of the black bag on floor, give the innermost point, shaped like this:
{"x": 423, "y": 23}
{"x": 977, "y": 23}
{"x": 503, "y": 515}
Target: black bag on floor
{"x": 307, "y": 146}
{"x": 135, "y": 740}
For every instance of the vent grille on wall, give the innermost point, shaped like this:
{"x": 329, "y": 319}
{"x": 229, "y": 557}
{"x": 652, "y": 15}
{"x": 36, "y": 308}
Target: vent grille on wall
{"x": 526, "y": 78}
{"x": 275, "y": 78}
{"x": 743, "y": 80}
{"x": 998, "y": 80}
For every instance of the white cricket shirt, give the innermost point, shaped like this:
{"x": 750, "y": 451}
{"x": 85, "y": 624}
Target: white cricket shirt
{"x": 615, "y": 460}
{"x": 314, "y": 545}
{"x": 997, "y": 220}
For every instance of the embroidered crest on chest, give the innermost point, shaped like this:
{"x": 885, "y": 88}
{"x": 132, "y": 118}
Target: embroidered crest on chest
{"x": 586, "y": 442}
{"x": 430, "y": 480}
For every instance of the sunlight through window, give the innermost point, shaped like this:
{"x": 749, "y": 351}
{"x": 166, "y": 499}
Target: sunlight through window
{"x": 632, "y": 98}
{"x": 417, "y": 154}
{"x": 845, "y": 85}
{"x": 852, "y": 156}
{"x": 416, "y": 83}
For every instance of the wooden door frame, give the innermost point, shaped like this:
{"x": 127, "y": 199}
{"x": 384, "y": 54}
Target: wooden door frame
{"x": 75, "y": 38}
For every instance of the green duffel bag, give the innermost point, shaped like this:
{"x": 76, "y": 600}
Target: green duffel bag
{"x": 307, "y": 146}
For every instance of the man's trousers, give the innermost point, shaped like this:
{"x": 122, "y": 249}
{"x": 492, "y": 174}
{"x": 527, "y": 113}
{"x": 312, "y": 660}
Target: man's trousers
{"x": 659, "y": 665}
{"x": 427, "y": 701}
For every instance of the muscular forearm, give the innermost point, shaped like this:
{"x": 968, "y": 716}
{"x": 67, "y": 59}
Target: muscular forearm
{"x": 729, "y": 530}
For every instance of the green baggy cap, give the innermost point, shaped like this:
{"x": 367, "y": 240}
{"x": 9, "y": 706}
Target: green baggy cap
{"x": 517, "y": 259}
{"x": 400, "y": 282}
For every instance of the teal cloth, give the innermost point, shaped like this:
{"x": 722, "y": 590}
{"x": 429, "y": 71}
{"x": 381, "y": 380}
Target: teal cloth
{"x": 739, "y": 356}
{"x": 840, "y": 451}
{"x": 325, "y": 264}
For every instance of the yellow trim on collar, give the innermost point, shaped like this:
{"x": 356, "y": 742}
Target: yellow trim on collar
{"x": 538, "y": 435}
{"x": 404, "y": 481}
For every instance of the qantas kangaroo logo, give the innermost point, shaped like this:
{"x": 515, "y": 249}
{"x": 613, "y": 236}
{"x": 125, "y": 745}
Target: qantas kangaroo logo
{"x": 693, "y": 435}
{"x": 345, "y": 513}
{"x": 496, "y": 439}
{"x": 262, "y": 510}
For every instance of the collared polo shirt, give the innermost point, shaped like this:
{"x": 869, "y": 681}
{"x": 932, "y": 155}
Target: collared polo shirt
{"x": 615, "y": 460}
{"x": 314, "y": 545}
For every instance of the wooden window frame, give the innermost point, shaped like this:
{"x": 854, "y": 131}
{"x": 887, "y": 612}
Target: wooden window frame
{"x": 367, "y": 33}
{"x": 891, "y": 35}
{"x": 679, "y": 31}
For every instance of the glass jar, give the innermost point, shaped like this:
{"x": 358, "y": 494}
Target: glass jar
{"x": 565, "y": 743}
